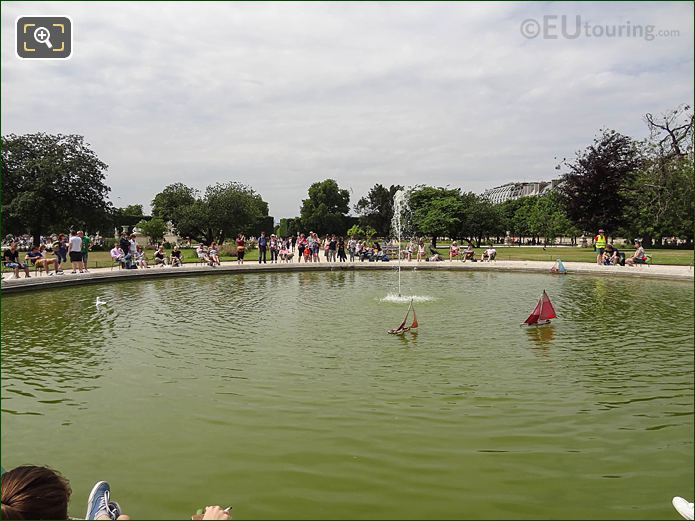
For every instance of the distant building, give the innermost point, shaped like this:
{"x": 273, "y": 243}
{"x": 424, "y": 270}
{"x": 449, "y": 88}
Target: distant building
{"x": 509, "y": 191}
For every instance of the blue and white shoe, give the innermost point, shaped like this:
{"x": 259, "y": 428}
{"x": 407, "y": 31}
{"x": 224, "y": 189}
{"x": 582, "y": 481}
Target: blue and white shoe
{"x": 99, "y": 504}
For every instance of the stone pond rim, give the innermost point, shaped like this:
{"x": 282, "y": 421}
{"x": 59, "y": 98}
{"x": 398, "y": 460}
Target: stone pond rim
{"x": 104, "y": 275}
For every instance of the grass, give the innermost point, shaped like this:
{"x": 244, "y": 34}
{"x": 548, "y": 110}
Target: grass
{"x": 102, "y": 259}
{"x": 568, "y": 254}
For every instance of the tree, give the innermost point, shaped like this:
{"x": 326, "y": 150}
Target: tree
{"x": 355, "y": 231}
{"x": 508, "y": 211}
{"x": 129, "y": 216}
{"x": 288, "y": 227}
{"x": 672, "y": 133}
{"x": 547, "y": 218}
{"x": 233, "y": 208}
{"x": 593, "y": 190}
{"x": 480, "y": 218}
{"x": 437, "y": 211}
{"x": 660, "y": 198}
{"x": 361, "y": 233}
{"x": 134, "y": 210}
{"x": 51, "y": 182}
{"x": 376, "y": 208}
{"x": 521, "y": 220}
{"x": 223, "y": 211}
{"x": 325, "y": 211}
{"x": 155, "y": 229}
{"x": 174, "y": 197}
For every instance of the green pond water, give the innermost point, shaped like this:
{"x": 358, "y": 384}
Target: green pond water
{"x": 282, "y": 395}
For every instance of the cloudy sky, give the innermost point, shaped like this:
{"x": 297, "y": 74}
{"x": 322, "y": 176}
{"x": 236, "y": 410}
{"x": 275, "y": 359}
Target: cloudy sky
{"x": 278, "y": 96}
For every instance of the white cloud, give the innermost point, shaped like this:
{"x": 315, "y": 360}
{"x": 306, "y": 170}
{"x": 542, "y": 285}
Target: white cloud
{"x": 281, "y": 95}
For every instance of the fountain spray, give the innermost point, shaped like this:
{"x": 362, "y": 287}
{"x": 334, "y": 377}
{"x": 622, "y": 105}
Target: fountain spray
{"x": 400, "y": 204}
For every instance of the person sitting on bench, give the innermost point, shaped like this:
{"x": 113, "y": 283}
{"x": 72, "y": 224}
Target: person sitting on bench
{"x": 489, "y": 254}
{"x": 469, "y": 253}
{"x": 160, "y": 258}
{"x": 639, "y": 257}
{"x": 453, "y": 251}
{"x": 37, "y": 257}
{"x": 10, "y": 259}
{"x": 176, "y": 257}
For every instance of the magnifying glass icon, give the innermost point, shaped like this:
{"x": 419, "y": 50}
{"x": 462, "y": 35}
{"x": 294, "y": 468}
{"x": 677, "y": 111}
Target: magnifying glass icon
{"x": 42, "y": 35}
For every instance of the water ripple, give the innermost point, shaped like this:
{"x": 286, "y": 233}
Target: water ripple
{"x": 285, "y": 389}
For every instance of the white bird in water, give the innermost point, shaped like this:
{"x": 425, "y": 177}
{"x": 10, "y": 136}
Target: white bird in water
{"x": 100, "y": 302}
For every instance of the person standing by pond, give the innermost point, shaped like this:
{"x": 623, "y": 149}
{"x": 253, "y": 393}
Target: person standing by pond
{"x": 124, "y": 243}
{"x": 352, "y": 246}
{"x": 301, "y": 244}
{"x": 341, "y": 250}
{"x": 600, "y": 245}
{"x": 240, "y": 248}
{"x": 75, "y": 252}
{"x": 60, "y": 248}
{"x": 262, "y": 248}
{"x": 86, "y": 246}
{"x": 315, "y": 246}
{"x": 274, "y": 248}
{"x": 332, "y": 248}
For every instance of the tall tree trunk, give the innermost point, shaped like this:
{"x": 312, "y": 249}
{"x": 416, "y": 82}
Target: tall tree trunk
{"x": 36, "y": 236}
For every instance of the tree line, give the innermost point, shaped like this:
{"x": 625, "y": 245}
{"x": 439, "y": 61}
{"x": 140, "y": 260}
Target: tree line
{"x": 631, "y": 188}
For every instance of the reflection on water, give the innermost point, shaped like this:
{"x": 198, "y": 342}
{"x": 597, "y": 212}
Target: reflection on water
{"x": 541, "y": 336}
{"x": 283, "y": 395}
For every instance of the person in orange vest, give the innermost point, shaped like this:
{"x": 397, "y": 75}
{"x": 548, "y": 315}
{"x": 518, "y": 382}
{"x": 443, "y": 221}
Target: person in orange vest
{"x": 600, "y": 245}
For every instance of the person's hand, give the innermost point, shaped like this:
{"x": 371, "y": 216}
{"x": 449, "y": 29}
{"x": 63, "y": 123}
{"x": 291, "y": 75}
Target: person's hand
{"x": 216, "y": 512}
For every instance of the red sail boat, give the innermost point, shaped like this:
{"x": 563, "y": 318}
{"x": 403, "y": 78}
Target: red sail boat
{"x": 403, "y": 328}
{"x": 542, "y": 313}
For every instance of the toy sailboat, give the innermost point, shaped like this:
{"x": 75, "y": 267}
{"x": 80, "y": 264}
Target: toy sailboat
{"x": 559, "y": 268}
{"x": 542, "y": 313}
{"x": 403, "y": 328}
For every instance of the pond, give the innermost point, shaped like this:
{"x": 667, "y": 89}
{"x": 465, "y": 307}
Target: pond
{"x": 282, "y": 395}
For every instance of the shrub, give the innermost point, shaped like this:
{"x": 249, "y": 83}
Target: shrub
{"x": 228, "y": 250}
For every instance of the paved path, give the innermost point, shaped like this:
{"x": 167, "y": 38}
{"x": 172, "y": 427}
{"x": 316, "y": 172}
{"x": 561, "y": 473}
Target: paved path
{"x": 100, "y": 275}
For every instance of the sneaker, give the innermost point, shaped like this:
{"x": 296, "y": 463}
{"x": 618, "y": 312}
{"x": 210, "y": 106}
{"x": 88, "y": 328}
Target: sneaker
{"x": 683, "y": 507}
{"x": 114, "y": 510}
{"x": 99, "y": 503}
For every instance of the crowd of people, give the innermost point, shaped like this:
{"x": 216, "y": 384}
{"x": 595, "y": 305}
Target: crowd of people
{"x": 335, "y": 248}
{"x": 51, "y": 253}
{"x": 610, "y": 255}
